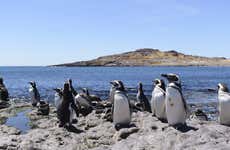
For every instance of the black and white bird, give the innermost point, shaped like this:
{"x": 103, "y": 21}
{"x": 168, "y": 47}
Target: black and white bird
{"x": 176, "y": 107}
{"x": 121, "y": 111}
{"x": 224, "y": 104}
{"x": 142, "y": 99}
{"x": 34, "y": 94}
{"x": 92, "y": 98}
{"x": 66, "y": 107}
{"x": 158, "y": 99}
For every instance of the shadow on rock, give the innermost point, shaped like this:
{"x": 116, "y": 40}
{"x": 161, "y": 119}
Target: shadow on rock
{"x": 121, "y": 126}
{"x": 74, "y": 129}
{"x": 184, "y": 128}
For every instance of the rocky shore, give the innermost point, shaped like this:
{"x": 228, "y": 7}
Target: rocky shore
{"x": 95, "y": 133}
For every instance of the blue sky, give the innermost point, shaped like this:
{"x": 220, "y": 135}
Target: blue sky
{"x": 44, "y": 32}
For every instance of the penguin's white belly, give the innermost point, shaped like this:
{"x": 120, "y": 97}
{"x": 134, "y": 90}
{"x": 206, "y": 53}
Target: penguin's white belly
{"x": 57, "y": 100}
{"x": 82, "y": 101}
{"x": 32, "y": 95}
{"x": 121, "y": 112}
{"x": 224, "y": 109}
{"x": 158, "y": 103}
{"x": 175, "y": 111}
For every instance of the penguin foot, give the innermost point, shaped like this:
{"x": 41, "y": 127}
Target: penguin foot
{"x": 183, "y": 127}
{"x": 74, "y": 121}
{"x": 163, "y": 120}
{"x": 61, "y": 125}
{"x": 120, "y": 126}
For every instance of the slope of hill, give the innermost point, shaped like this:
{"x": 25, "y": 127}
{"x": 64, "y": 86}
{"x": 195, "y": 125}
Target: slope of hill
{"x": 152, "y": 57}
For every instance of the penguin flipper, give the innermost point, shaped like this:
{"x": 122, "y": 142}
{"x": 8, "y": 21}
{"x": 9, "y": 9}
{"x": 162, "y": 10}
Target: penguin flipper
{"x": 184, "y": 103}
{"x": 75, "y": 108}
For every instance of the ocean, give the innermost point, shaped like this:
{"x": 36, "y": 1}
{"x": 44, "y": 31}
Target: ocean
{"x": 199, "y": 83}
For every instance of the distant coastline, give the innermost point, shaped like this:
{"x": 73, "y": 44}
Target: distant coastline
{"x": 149, "y": 57}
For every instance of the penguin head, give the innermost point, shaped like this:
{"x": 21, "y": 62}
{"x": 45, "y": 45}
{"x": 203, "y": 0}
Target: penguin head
{"x": 70, "y": 81}
{"x": 171, "y": 77}
{"x": 66, "y": 86}
{"x": 1, "y": 80}
{"x": 140, "y": 86}
{"x": 85, "y": 91}
{"x": 160, "y": 83}
{"x": 58, "y": 90}
{"x": 223, "y": 87}
{"x": 118, "y": 85}
{"x": 114, "y": 83}
{"x": 33, "y": 84}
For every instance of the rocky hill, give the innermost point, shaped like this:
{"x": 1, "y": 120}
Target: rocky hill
{"x": 152, "y": 57}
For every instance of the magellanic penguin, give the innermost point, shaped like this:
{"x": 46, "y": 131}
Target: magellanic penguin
{"x": 4, "y": 95}
{"x": 65, "y": 109}
{"x": 93, "y": 98}
{"x": 224, "y": 104}
{"x": 143, "y": 99}
{"x": 121, "y": 111}
{"x": 158, "y": 99}
{"x": 35, "y": 96}
{"x": 83, "y": 100}
{"x": 176, "y": 107}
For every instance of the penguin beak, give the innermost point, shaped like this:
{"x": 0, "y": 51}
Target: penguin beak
{"x": 83, "y": 90}
{"x": 55, "y": 89}
{"x": 112, "y": 82}
{"x": 155, "y": 82}
{"x": 70, "y": 81}
{"x": 164, "y": 75}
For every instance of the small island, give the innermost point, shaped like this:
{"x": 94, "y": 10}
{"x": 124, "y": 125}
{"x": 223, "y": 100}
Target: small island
{"x": 151, "y": 57}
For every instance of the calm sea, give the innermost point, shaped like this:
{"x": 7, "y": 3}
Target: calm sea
{"x": 198, "y": 83}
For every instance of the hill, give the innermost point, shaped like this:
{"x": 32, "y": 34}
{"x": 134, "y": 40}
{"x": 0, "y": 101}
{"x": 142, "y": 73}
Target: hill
{"x": 152, "y": 57}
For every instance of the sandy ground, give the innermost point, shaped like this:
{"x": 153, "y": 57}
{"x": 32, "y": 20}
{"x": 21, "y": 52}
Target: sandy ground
{"x": 93, "y": 132}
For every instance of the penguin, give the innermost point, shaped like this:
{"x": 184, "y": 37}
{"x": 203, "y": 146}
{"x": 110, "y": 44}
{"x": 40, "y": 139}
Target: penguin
{"x": 93, "y": 98}
{"x": 224, "y": 104}
{"x": 58, "y": 97}
{"x": 65, "y": 109}
{"x": 4, "y": 95}
{"x": 121, "y": 111}
{"x": 176, "y": 107}
{"x": 158, "y": 99}
{"x": 199, "y": 115}
{"x": 35, "y": 96}
{"x": 143, "y": 99}
{"x": 83, "y": 100}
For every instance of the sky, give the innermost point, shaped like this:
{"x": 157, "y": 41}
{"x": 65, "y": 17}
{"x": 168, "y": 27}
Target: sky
{"x": 46, "y": 32}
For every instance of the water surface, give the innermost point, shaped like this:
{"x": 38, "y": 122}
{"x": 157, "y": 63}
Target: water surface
{"x": 196, "y": 81}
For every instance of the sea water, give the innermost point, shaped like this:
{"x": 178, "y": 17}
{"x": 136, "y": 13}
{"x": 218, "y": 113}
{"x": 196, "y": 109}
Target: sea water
{"x": 199, "y": 83}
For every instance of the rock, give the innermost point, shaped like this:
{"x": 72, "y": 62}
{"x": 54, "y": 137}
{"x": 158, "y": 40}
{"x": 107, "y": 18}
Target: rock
{"x": 94, "y": 133}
